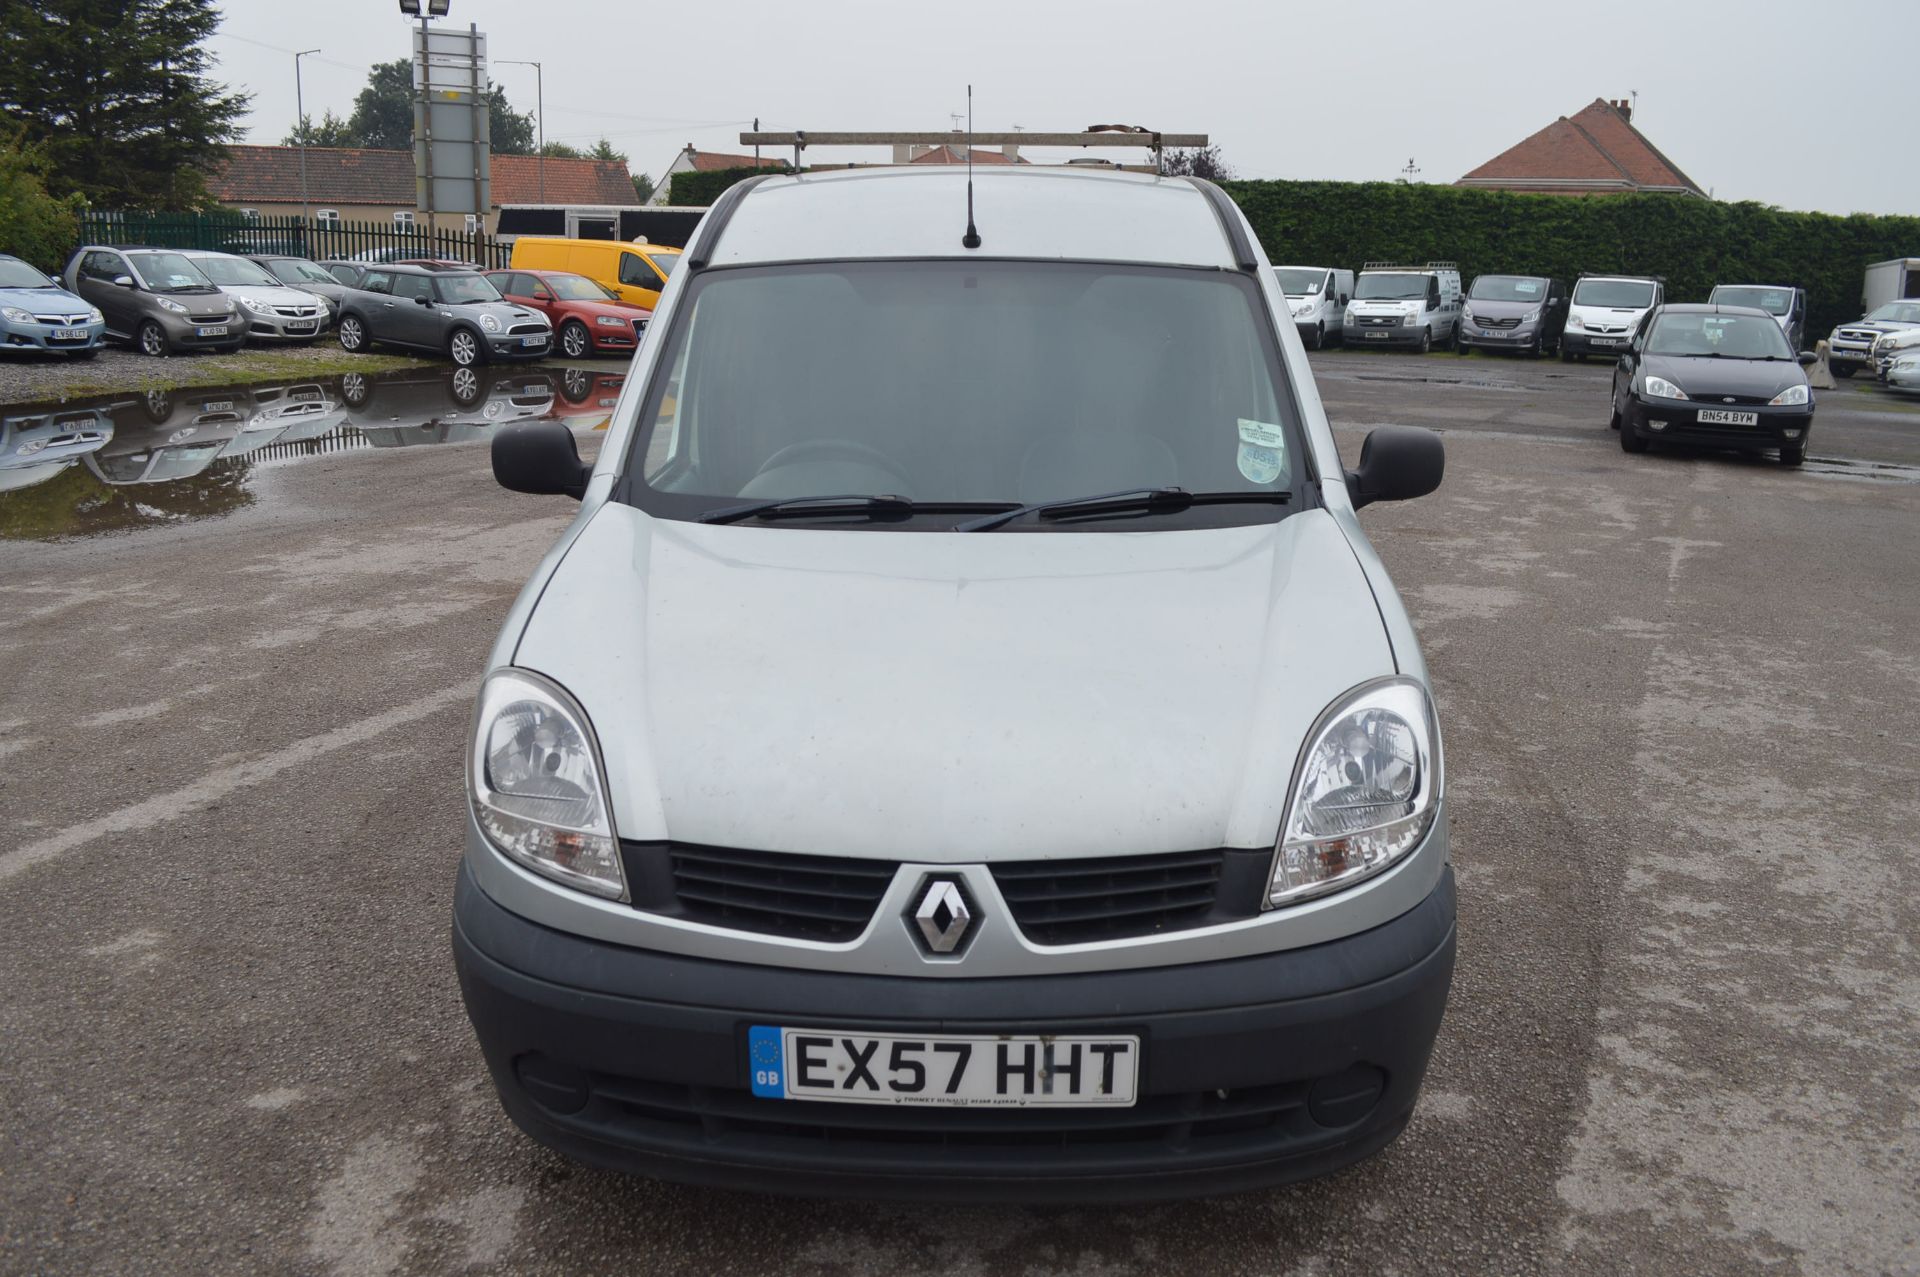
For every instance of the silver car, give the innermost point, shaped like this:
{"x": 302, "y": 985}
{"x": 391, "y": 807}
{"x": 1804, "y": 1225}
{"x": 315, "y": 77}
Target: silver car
{"x": 274, "y": 311}
{"x": 449, "y": 309}
{"x": 902, "y": 782}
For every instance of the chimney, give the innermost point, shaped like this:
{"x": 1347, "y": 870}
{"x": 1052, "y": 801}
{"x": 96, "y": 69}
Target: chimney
{"x": 1625, "y": 108}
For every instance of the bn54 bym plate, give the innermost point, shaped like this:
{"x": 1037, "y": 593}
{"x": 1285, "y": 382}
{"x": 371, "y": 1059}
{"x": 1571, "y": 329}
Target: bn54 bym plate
{"x": 997, "y": 1072}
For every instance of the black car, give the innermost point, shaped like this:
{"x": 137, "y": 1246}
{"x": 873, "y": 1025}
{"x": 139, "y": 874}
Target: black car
{"x": 1723, "y": 376}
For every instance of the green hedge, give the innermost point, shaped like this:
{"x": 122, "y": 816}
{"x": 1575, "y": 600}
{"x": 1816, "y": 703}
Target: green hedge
{"x": 700, "y": 190}
{"x": 1694, "y": 243}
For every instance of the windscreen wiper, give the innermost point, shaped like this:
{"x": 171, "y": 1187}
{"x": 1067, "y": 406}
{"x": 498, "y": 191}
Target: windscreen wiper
{"x": 1129, "y": 501}
{"x": 884, "y": 506}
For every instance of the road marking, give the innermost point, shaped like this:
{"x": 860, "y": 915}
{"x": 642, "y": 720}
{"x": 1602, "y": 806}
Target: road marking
{"x": 211, "y": 789}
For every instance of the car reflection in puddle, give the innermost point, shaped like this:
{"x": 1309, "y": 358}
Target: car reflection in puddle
{"x": 147, "y": 460}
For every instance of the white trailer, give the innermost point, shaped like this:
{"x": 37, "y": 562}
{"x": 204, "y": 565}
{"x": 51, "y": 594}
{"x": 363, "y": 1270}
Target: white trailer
{"x": 1897, "y": 280}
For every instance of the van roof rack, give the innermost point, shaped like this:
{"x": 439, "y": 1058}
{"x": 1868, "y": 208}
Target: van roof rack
{"x": 1620, "y": 274}
{"x": 1411, "y": 266}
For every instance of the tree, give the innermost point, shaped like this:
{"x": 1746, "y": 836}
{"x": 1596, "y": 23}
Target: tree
{"x": 383, "y": 113}
{"x": 117, "y": 98}
{"x": 604, "y": 152}
{"x": 642, "y": 187}
{"x": 561, "y": 151}
{"x": 1203, "y": 161}
{"x": 331, "y": 131}
{"x": 33, "y": 224}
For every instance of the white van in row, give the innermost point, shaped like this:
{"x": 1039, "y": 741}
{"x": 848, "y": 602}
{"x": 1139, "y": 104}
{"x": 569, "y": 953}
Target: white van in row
{"x": 1392, "y": 305}
{"x": 1605, "y": 312}
{"x": 1318, "y": 297}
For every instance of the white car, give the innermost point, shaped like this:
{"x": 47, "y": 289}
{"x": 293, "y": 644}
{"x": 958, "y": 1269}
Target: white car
{"x": 1889, "y": 346}
{"x": 1903, "y": 374}
{"x": 273, "y": 311}
{"x": 909, "y": 780}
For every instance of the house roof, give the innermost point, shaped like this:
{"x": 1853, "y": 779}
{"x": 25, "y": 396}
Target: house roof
{"x": 271, "y": 175}
{"x": 958, "y": 155}
{"x": 716, "y": 162}
{"x": 1597, "y": 149}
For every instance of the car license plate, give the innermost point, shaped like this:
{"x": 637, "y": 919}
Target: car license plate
{"x": 533, "y": 341}
{"x": 1378, "y": 336}
{"x": 69, "y": 334}
{"x": 217, "y": 405}
{"x": 1723, "y": 417}
{"x": 932, "y": 1069}
{"x": 214, "y": 330}
{"x": 1605, "y": 341}
{"x": 301, "y": 326}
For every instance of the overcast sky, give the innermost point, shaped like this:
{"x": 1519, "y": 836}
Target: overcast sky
{"x": 1766, "y": 100}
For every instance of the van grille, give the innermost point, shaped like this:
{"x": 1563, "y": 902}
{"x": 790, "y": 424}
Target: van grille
{"x": 775, "y": 893}
{"x": 1077, "y": 901}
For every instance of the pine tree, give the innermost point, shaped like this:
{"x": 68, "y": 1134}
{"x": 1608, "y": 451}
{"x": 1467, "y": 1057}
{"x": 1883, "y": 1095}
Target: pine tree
{"x": 116, "y": 97}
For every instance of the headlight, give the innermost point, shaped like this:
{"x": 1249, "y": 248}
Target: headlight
{"x": 1466, "y": 313}
{"x": 1574, "y": 321}
{"x": 536, "y": 786}
{"x": 1661, "y": 388}
{"x": 610, "y": 321}
{"x": 95, "y": 317}
{"x": 258, "y": 308}
{"x": 32, "y": 446}
{"x": 16, "y": 315}
{"x": 1791, "y": 396}
{"x": 489, "y": 323}
{"x": 167, "y": 303}
{"x": 1367, "y": 791}
{"x": 1409, "y": 319}
{"x": 1530, "y": 316}
{"x": 1346, "y": 316}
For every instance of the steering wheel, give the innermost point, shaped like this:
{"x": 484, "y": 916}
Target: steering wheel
{"x": 831, "y": 450}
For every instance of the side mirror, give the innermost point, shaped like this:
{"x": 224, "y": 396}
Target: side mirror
{"x": 1808, "y": 358}
{"x": 423, "y": 301}
{"x": 1397, "y": 463}
{"x": 539, "y": 457}
{"x": 124, "y": 281}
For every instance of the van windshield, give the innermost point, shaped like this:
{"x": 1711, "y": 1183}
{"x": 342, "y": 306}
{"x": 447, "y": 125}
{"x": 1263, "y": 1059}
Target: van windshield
{"x": 1389, "y": 288}
{"x": 1296, "y": 281}
{"x": 1775, "y": 301}
{"x": 1616, "y": 294}
{"x": 996, "y": 383}
{"x": 1508, "y": 288}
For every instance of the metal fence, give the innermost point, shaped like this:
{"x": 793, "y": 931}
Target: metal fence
{"x": 322, "y": 241}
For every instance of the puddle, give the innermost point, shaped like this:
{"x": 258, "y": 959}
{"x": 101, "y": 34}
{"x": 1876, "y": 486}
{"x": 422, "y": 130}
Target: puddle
{"x": 1438, "y": 379}
{"x": 1865, "y": 471}
{"x": 86, "y": 467}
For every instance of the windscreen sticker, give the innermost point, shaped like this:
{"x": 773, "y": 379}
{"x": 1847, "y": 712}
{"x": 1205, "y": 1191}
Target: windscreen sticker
{"x": 1262, "y": 434}
{"x": 1259, "y": 465}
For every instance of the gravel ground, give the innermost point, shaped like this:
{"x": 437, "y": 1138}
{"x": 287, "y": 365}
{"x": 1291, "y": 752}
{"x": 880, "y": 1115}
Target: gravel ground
{"x": 38, "y": 378}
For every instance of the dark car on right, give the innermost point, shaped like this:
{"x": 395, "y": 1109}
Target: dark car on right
{"x": 1720, "y": 376}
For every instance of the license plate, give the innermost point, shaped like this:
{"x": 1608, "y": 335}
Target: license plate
{"x": 533, "y": 341}
{"x": 301, "y": 326}
{"x": 1377, "y": 336}
{"x": 1605, "y": 341}
{"x": 215, "y": 330}
{"x": 217, "y": 405}
{"x": 932, "y": 1069}
{"x": 1723, "y": 417}
{"x": 69, "y": 334}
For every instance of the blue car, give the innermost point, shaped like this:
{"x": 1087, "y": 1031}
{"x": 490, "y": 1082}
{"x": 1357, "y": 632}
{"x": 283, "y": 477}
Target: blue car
{"x": 38, "y": 314}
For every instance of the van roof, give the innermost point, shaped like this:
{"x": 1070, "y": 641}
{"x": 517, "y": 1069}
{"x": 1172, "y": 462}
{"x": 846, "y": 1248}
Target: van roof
{"x": 1029, "y": 212}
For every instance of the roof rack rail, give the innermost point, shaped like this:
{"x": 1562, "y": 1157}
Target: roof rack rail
{"x": 1231, "y": 226}
{"x": 1443, "y": 265}
{"x": 698, "y": 255}
{"x": 1620, "y": 274}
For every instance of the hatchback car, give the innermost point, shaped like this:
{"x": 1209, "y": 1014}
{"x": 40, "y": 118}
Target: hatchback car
{"x": 156, "y": 299}
{"x": 275, "y": 312}
{"x": 37, "y": 314}
{"x": 1717, "y": 375}
{"x": 904, "y": 782}
{"x": 453, "y": 311}
{"x": 587, "y": 318}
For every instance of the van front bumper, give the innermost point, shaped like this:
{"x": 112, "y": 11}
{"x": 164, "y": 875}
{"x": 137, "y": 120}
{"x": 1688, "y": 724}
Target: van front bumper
{"x": 1253, "y": 1071}
{"x": 1381, "y": 334}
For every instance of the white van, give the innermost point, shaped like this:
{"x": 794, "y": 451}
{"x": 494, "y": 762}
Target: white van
{"x": 1416, "y": 306}
{"x": 1605, "y": 311}
{"x": 1318, "y": 297}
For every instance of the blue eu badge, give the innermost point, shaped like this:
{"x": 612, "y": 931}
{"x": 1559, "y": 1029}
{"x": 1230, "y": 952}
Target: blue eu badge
{"x": 763, "y": 1058}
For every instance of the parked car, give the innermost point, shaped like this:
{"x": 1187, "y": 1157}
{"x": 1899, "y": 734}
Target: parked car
{"x": 38, "y": 441}
{"x": 348, "y": 273}
{"x": 587, "y": 318}
{"x": 156, "y": 299}
{"x": 1605, "y": 312}
{"x": 1850, "y": 348}
{"x": 1783, "y": 301}
{"x": 1888, "y": 346}
{"x": 1903, "y": 374}
{"x": 166, "y": 436}
{"x": 307, "y": 275}
{"x": 386, "y": 256}
{"x": 1095, "y": 845}
{"x": 455, "y": 312}
{"x": 632, "y": 272}
{"x": 38, "y": 314}
{"x": 1526, "y": 313}
{"x": 1718, "y": 375}
{"x": 1416, "y": 306}
{"x": 433, "y": 405}
{"x": 274, "y": 311}
{"x": 1318, "y": 297}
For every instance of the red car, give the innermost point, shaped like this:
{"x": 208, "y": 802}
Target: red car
{"x": 587, "y": 319}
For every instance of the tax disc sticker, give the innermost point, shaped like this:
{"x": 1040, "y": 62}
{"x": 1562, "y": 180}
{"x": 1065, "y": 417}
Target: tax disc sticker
{"x": 1259, "y": 465}
{"x": 1262, "y": 434}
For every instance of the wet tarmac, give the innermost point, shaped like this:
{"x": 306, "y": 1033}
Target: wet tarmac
{"x": 87, "y": 467}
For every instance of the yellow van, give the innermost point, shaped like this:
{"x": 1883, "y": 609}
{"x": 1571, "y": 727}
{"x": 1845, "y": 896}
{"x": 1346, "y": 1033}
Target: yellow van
{"x": 637, "y": 272}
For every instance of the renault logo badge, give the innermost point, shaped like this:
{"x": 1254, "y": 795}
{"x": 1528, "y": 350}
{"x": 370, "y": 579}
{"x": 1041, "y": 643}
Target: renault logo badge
{"x": 942, "y": 916}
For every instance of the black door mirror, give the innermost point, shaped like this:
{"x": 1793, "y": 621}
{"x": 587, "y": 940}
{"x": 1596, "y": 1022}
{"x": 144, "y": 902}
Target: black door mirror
{"x": 539, "y": 457}
{"x": 423, "y": 301}
{"x": 1397, "y": 463}
{"x": 1807, "y": 357}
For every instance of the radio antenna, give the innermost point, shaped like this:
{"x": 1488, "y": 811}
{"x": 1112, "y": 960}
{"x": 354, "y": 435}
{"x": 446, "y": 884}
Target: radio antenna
{"x": 972, "y": 238}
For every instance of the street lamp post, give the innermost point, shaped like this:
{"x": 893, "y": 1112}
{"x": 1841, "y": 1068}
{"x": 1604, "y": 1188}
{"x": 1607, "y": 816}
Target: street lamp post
{"x": 300, "y": 113}
{"x": 540, "y": 106}
{"x": 431, "y": 9}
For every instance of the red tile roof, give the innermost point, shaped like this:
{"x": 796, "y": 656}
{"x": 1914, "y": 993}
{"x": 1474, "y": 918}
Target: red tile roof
{"x": 715, "y": 162}
{"x": 1596, "y": 150}
{"x": 271, "y": 175}
{"x": 958, "y": 155}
